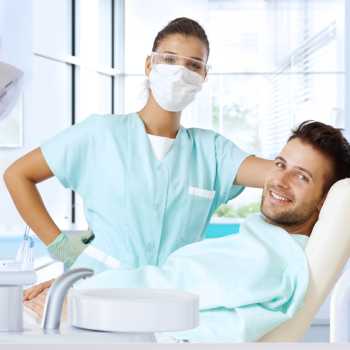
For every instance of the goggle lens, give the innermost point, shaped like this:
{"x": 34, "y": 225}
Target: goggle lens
{"x": 176, "y": 60}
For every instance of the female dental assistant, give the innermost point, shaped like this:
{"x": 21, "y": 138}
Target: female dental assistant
{"x": 140, "y": 205}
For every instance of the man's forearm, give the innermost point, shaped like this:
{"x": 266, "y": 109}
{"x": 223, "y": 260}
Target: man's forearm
{"x": 252, "y": 172}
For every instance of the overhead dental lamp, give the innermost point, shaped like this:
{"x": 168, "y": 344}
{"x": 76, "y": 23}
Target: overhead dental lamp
{"x": 11, "y": 81}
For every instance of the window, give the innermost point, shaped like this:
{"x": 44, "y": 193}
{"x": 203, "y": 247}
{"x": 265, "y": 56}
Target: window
{"x": 78, "y": 58}
{"x": 83, "y": 53}
{"x": 307, "y": 66}
{"x": 96, "y": 28}
{"x": 275, "y": 64}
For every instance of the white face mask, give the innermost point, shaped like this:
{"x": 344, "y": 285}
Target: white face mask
{"x": 174, "y": 87}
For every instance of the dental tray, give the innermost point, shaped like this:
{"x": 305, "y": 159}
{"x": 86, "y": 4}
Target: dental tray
{"x": 9, "y": 264}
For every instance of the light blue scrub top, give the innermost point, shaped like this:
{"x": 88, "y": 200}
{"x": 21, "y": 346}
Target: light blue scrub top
{"x": 142, "y": 209}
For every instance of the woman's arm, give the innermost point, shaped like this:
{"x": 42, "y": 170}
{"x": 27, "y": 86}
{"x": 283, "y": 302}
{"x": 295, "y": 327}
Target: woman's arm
{"x": 21, "y": 178}
{"x": 252, "y": 172}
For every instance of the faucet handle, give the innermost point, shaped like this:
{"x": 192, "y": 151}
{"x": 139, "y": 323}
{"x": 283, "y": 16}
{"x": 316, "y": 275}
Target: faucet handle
{"x": 57, "y": 293}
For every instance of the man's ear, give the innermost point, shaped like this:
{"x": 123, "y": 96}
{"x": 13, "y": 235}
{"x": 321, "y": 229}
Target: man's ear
{"x": 148, "y": 66}
{"x": 319, "y": 207}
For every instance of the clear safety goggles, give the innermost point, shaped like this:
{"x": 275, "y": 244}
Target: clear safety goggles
{"x": 176, "y": 60}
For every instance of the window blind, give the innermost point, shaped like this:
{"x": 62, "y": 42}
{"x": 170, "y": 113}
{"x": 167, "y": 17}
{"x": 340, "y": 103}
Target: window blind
{"x": 302, "y": 81}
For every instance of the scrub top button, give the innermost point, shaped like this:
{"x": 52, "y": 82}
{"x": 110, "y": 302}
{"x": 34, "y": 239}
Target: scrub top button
{"x": 152, "y": 250}
{"x": 158, "y": 209}
{"x": 160, "y": 168}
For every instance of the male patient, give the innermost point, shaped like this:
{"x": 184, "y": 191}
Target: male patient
{"x": 252, "y": 281}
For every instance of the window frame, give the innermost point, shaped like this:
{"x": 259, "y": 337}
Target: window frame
{"x": 115, "y": 72}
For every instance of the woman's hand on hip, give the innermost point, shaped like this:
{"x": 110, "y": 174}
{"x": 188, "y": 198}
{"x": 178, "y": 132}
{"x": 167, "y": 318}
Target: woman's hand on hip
{"x": 69, "y": 249}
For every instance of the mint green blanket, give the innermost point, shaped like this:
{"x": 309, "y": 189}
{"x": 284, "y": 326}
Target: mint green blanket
{"x": 248, "y": 283}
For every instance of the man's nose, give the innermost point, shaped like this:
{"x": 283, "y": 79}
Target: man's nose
{"x": 282, "y": 179}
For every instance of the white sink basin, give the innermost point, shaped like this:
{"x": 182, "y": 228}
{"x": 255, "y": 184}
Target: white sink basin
{"x": 133, "y": 310}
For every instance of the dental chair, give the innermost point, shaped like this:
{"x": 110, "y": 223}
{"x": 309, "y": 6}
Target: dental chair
{"x": 327, "y": 250}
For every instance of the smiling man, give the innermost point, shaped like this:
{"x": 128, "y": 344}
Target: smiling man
{"x": 314, "y": 158}
{"x": 250, "y": 282}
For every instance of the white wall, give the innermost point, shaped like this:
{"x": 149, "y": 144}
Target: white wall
{"x": 44, "y": 98}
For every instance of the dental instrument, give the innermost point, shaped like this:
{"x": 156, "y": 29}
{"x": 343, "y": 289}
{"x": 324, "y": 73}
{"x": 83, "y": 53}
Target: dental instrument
{"x": 28, "y": 262}
{"x": 24, "y": 260}
{"x": 11, "y": 82}
{"x": 22, "y": 251}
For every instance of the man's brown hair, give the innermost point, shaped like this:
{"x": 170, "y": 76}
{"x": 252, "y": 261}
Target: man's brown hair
{"x": 331, "y": 143}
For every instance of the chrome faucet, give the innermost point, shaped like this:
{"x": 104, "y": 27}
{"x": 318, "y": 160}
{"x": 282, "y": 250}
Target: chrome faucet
{"x": 57, "y": 293}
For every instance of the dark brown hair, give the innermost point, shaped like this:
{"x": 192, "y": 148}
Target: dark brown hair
{"x": 182, "y": 26}
{"x": 331, "y": 143}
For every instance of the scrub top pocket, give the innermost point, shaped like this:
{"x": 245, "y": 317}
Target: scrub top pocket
{"x": 197, "y": 209}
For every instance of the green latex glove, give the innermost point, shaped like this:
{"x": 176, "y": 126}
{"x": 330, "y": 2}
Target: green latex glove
{"x": 68, "y": 249}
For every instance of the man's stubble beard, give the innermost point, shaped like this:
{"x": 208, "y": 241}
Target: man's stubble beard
{"x": 294, "y": 216}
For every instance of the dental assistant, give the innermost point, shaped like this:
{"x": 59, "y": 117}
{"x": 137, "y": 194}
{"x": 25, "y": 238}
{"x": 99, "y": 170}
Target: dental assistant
{"x": 149, "y": 185}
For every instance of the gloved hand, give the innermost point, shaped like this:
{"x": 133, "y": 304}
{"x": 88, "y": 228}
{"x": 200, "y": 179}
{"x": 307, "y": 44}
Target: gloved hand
{"x": 68, "y": 249}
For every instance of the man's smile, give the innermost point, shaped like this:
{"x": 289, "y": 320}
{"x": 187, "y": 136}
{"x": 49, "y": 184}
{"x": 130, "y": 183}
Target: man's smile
{"x": 278, "y": 198}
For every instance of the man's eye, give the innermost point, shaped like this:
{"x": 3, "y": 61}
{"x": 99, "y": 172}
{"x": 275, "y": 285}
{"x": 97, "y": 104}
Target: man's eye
{"x": 303, "y": 177}
{"x": 280, "y": 165}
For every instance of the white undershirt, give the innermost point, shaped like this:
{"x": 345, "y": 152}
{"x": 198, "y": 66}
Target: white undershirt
{"x": 160, "y": 145}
